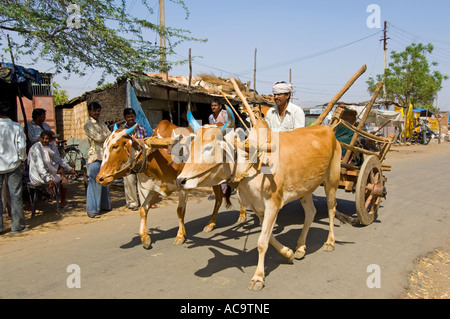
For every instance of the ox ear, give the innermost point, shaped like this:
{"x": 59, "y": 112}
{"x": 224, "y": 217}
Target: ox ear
{"x": 131, "y": 129}
{"x": 192, "y": 122}
{"x": 115, "y": 127}
{"x": 230, "y": 121}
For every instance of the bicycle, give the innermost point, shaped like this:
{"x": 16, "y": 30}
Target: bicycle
{"x": 74, "y": 157}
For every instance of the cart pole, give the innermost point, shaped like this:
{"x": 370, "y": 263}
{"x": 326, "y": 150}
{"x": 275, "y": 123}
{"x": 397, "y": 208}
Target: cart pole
{"x": 340, "y": 94}
{"x": 363, "y": 120}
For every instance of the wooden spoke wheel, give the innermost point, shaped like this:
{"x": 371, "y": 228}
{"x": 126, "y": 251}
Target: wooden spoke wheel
{"x": 369, "y": 190}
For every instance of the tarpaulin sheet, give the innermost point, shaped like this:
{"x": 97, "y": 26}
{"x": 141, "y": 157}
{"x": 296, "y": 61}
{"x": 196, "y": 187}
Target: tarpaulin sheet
{"x": 379, "y": 117}
{"x": 133, "y": 102}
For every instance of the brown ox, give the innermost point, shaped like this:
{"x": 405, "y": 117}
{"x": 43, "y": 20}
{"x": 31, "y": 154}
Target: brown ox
{"x": 124, "y": 154}
{"x": 301, "y": 160}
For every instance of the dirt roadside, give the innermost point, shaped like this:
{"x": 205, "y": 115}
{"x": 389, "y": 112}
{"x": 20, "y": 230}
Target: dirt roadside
{"x": 430, "y": 278}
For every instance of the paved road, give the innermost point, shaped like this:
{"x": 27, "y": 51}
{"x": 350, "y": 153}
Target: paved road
{"x": 412, "y": 221}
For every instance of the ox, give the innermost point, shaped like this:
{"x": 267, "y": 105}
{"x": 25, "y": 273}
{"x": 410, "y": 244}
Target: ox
{"x": 156, "y": 171}
{"x": 306, "y": 158}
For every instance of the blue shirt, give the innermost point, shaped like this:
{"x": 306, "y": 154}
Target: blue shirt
{"x": 139, "y": 132}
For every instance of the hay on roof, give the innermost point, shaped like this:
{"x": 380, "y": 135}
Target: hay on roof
{"x": 224, "y": 84}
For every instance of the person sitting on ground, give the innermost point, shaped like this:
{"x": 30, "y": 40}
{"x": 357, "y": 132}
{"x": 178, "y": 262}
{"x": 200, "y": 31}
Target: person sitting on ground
{"x": 45, "y": 166}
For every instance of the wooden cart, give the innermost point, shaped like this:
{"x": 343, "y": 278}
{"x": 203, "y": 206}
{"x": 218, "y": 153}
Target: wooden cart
{"x": 366, "y": 180}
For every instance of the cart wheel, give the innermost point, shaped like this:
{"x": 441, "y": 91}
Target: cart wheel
{"x": 369, "y": 190}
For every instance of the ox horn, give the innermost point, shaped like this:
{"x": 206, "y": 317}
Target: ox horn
{"x": 131, "y": 129}
{"x": 230, "y": 121}
{"x": 115, "y": 127}
{"x": 192, "y": 121}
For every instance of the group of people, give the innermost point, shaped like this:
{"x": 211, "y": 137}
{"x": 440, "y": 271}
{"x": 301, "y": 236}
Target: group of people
{"x": 47, "y": 168}
{"x": 42, "y": 163}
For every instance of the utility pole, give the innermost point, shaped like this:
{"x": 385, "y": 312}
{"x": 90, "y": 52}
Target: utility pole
{"x": 254, "y": 73}
{"x": 385, "y": 58}
{"x": 162, "y": 45}
{"x": 162, "y": 37}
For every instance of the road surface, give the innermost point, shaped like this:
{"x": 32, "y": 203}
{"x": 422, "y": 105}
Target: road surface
{"x": 105, "y": 259}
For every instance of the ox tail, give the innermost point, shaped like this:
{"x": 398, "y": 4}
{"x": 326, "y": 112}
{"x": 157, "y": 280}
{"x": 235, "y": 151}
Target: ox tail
{"x": 345, "y": 219}
{"x": 228, "y": 196}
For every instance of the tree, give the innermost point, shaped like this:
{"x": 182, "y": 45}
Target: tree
{"x": 60, "y": 96}
{"x": 76, "y": 35}
{"x": 409, "y": 78}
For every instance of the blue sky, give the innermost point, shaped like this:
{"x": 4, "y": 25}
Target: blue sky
{"x": 320, "y": 41}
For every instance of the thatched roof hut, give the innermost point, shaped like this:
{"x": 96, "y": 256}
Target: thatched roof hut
{"x": 160, "y": 99}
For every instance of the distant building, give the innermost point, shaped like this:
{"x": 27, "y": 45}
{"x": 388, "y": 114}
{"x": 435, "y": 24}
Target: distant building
{"x": 28, "y": 87}
{"x": 159, "y": 99}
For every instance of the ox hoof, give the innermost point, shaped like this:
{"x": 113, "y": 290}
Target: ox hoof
{"x": 256, "y": 285}
{"x": 328, "y": 247}
{"x": 146, "y": 243}
{"x": 288, "y": 255}
{"x": 242, "y": 219}
{"x": 299, "y": 254}
{"x": 179, "y": 240}
{"x": 209, "y": 228}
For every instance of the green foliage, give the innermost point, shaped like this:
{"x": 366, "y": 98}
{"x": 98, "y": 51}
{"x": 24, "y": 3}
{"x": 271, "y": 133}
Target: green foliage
{"x": 106, "y": 37}
{"x": 60, "y": 96}
{"x": 409, "y": 78}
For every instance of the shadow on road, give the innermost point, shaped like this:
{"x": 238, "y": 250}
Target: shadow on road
{"x": 229, "y": 242}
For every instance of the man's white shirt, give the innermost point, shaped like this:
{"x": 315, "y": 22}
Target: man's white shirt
{"x": 293, "y": 118}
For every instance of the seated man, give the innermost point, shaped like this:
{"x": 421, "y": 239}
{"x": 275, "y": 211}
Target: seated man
{"x": 46, "y": 166}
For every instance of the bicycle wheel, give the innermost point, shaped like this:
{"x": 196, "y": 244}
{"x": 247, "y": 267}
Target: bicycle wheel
{"x": 75, "y": 159}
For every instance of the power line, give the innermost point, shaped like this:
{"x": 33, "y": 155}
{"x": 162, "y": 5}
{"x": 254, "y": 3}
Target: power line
{"x": 314, "y": 55}
{"x": 296, "y": 60}
{"x": 418, "y": 36}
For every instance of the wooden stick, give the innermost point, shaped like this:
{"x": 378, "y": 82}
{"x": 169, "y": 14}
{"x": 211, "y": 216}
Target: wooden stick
{"x": 358, "y": 149}
{"x": 190, "y": 79}
{"x": 237, "y": 114}
{"x": 244, "y": 101}
{"x": 19, "y": 95}
{"x": 340, "y": 94}
{"x": 363, "y": 120}
{"x": 363, "y": 133}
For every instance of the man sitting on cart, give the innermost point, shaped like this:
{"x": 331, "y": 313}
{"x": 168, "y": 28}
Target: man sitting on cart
{"x": 284, "y": 116}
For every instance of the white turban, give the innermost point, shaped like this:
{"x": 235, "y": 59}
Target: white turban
{"x": 282, "y": 87}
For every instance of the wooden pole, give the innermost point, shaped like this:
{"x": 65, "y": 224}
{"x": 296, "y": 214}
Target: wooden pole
{"x": 232, "y": 107}
{"x": 190, "y": 79}
{"x": 254, "y": 75}
{"x": 162, "y": 37}
{"x": 19, "y": 94}
{"x": 363, "y": 120}
{"x": 244, "y": 101}
{"x": 340, "y": 94}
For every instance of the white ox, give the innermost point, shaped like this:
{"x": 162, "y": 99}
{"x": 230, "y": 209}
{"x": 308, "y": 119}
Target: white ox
{"x": 303, "y": 160}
